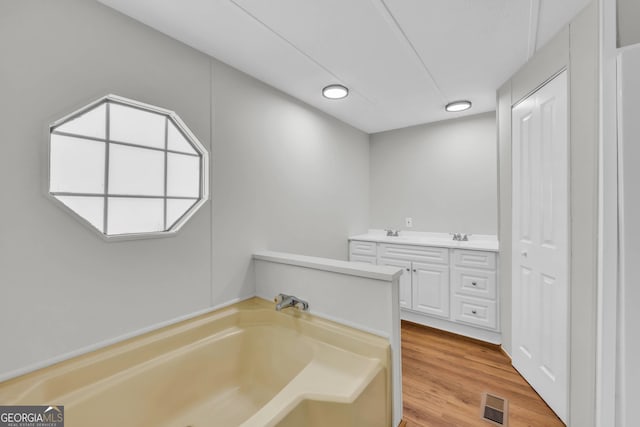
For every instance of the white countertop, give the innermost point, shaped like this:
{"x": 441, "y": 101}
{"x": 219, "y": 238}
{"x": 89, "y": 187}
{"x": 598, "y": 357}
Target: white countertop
{"x": 483, "y": 242}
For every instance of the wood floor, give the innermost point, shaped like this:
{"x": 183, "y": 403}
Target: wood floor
{"x": 444, "y": 376}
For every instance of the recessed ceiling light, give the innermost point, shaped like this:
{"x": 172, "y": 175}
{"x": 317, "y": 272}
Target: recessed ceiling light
{"x": 456, "y": 106}
{"x": 335, "y": 92}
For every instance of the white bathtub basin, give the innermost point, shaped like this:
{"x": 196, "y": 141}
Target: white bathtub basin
{"x": 245, "y": 365}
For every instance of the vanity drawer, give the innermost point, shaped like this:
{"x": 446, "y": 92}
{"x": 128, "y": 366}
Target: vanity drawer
{"x": 475, "y": 283}
{"x": 363, "y": 248}
{"x": 474, "y": 259}
{"x": 426, "y": 254}
{"x": 369, "y": 259}
{"x": 475, "y": 311}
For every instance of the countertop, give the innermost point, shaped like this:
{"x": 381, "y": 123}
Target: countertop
{"x": 483, "y": 242}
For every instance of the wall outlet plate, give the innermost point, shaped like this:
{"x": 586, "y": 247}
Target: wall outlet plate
{"x": 408, "y": 221}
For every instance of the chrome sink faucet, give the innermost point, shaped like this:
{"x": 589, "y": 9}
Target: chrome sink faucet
{"x": 391, "y": 232}
{"x": 285, "y": 301}
{"x": 460, "y": 237}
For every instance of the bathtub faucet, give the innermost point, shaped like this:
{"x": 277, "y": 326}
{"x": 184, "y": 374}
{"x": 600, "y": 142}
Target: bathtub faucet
{"x": 284, "y": 301}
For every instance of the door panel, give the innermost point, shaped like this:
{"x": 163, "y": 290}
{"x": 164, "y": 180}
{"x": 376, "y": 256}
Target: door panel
{"x": 525, "y": 313}
{"x": 540, "y": 242}
{"x": 405, "y": 279}
{"x": 431, "y": 289}
{"x": 524, "y": 160}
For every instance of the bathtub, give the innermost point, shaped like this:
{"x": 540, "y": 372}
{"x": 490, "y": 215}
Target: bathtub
{"x": 244, "y": 365}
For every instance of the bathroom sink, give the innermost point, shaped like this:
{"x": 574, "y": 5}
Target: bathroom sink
{"x": 442, "y": 240}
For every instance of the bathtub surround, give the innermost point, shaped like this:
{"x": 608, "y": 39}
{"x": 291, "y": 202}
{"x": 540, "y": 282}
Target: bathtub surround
{"x": 359, "y": 295}
{"x": 278, "y": 169}
{"x": 441, "y": 174}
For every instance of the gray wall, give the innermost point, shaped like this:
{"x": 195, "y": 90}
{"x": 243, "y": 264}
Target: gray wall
{"x": 284, "y": 177}
{"x": 441, "y": 174}
{"x": 576, "y": 48}
{"x": 628, "y": 18}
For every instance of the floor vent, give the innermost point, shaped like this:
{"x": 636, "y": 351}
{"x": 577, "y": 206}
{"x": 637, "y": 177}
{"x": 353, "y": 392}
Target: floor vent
{"x": 494, "y": 409}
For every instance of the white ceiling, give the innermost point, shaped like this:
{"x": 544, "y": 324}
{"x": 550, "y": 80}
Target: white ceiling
{"x": 402, "y": 60}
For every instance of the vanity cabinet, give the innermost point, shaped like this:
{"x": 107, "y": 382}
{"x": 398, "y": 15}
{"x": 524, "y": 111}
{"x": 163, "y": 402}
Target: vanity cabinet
{"x": 474, "y": 288}
{"x": 405, "y": 279}
{"x": 424, "y": 286}
{"x": 363, "y": 252}
{"x": 447, "y": 288}
{"x": 430, "y": 289}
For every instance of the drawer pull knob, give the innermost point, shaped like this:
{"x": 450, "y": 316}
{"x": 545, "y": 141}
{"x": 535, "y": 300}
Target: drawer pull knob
{"x": 474, "y": 283}
{"x": 474, "y": 312}
{"x": 524, "y": 254}
{"x": 414, "y": 270}
{"x": 408, "y": 269}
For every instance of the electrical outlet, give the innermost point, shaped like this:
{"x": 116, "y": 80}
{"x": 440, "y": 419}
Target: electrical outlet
{"x": 408, "y": 221}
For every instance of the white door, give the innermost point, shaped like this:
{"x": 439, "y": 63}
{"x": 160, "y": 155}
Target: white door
{"x": 540, "y": 281}
{"x": 405, "y": 279}
{"x": 431, "y": 289}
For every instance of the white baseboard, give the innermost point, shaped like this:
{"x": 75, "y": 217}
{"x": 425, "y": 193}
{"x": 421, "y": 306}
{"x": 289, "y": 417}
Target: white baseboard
{"x": 506, "y": 352}
{"x": 456, "y": 328}
{"x": 97, "y": 346}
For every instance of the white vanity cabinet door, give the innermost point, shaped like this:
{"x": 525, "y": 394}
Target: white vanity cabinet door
{"x": 431, "y": 289}
{"x": 405, "y": 279}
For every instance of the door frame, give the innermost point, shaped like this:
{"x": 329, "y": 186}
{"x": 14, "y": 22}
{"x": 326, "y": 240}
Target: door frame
{"x": 608, "y": 409}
